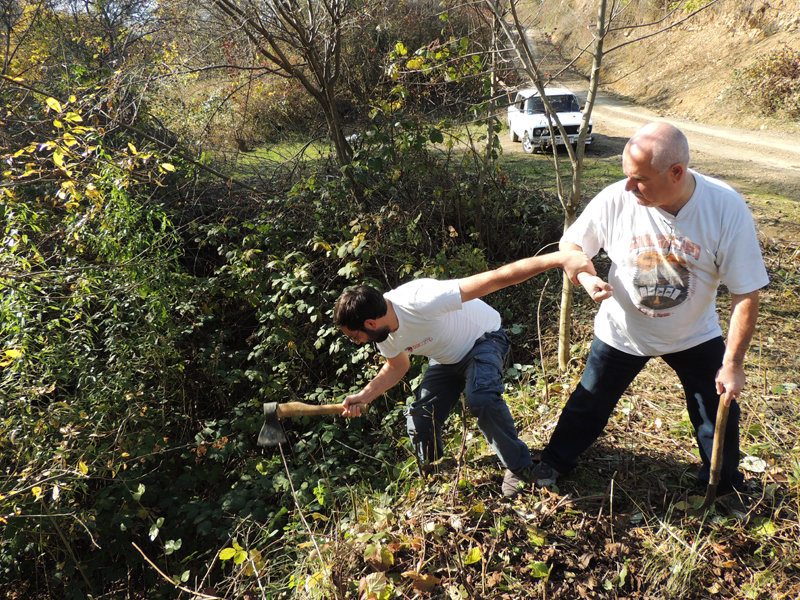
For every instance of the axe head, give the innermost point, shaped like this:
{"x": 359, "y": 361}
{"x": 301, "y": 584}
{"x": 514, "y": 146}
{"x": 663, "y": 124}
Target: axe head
{"x": 271, "y": 431}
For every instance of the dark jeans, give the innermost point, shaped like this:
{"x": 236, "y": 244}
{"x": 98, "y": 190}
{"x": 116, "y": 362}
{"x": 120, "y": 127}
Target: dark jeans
{"x": 608, "y": 374}
{"x": 480, "y": 376}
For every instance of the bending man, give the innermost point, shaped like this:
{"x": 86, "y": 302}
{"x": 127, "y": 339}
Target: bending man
{"x": 466, "y": 345}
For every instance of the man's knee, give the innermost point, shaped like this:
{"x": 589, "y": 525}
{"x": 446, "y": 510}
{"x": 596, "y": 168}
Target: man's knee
{"x": 480, "y": 401}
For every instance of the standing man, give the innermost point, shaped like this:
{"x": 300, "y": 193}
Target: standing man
{"x": 462, "y": 336}
{"x": 672, "y": 235}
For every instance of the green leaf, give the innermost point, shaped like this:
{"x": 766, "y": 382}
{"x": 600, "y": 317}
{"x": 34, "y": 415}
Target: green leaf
{"x": 765, "y": 528}
{"x": 539, "y": 569}
{"x": 137, "y": 495}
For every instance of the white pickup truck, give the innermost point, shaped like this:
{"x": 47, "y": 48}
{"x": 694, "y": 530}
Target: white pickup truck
{"x": 527, "y": 120}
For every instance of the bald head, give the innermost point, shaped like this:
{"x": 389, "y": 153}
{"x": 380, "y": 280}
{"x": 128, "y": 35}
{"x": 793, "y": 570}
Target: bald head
{"x": 664, "y": 144}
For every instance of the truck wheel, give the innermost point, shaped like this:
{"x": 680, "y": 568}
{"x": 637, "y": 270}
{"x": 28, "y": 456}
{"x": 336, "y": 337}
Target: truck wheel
{"x": 527, "y": 145}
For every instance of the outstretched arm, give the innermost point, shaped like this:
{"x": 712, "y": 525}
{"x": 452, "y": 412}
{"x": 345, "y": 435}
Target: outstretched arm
{"x": 597, "y": 289}
{"x": 517, "y": 272}
{"x": 391, "y": 372}
{"x": 744, "y": 314}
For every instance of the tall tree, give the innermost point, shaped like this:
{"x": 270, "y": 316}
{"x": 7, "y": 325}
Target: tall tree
{"x": 300, "y": 39}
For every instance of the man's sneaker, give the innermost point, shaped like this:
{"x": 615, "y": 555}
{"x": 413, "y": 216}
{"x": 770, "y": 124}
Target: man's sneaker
{"x": 515, "y": 481}
{"x": 735, "y": 505}
{"x": 544, "y": 475}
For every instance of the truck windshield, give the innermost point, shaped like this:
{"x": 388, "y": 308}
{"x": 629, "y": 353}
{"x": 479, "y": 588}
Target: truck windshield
{"x": 559, "y": 104}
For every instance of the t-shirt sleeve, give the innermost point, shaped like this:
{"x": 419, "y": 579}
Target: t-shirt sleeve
{"x": 435, "y": 298}
{"x": 741, "y": 265}
{"x": 588, "y": 229}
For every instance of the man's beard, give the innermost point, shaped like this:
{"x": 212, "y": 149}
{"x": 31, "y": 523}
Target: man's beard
{"x": 378, "y": 335}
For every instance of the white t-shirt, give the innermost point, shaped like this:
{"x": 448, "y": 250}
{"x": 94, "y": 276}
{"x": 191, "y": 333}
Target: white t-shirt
{"x": 433, "y": 322}
{"x": 666, "y": 269}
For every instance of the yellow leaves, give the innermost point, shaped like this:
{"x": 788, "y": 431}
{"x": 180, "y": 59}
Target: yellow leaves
{"x": 473, "y": 556}
{"x": 37, "y": 492}
{"x": 168, "y": 167}
{"x": 10, "y": 356}
{"x": 319, "y": 244}
{"x": 379, "y": 557}
{"x": 83, "y": 467}
{"x": 54, "y": 104}
{"x": 133, "y": 149}
{"x": 414, "y": 64}
{"x": 477, "y": 509}
{"x": 237, "y": 553}
{"x": 92, "y": 191}
{"x": 423, "y": 583}
{"x": 375, "y": 586}
{"x": 58, "y": 158}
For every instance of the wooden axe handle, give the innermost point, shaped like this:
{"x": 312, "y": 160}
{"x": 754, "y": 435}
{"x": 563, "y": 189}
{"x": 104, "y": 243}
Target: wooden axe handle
{"x": 719, "y": 441}
{"x": 301, "y": 409}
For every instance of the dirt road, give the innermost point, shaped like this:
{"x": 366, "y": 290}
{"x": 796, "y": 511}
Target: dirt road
{"x": 749, "y": 157}
{"x": 757, "y": 163}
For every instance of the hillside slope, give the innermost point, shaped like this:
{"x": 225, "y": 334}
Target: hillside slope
{"x": 685, "y": 72}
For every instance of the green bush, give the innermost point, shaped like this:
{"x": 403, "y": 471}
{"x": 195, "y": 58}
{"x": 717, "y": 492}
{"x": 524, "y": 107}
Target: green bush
{"x": 772, "y": 82}
{"x": 142, "y": 332}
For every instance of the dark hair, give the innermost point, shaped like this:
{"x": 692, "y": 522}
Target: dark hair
{"x": 357, "y": 305}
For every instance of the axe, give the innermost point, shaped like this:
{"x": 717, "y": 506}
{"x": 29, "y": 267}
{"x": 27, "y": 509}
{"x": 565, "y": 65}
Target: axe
{"x": 716, "y": 458}
{"x": 272, "y": 433}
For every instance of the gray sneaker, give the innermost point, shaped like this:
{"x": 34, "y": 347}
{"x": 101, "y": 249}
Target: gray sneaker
{"x": 735, "y": 505}
{"x": 515, "y": 481}
{"x": 544, "y": 475}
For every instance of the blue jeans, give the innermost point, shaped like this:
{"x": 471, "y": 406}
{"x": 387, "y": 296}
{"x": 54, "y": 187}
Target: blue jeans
{"x": 480, "y": 376}
{"x": 608, "y": 374}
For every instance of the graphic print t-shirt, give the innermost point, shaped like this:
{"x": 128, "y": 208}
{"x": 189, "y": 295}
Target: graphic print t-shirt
{"x": 666, "y": 269}
{"x": 433, "y": 321}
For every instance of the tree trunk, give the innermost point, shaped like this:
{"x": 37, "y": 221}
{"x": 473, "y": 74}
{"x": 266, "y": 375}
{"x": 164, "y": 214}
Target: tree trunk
{"x": 571, "y": 207}
{"x": 565, "y": 314}
{"x": 490, "y": 133}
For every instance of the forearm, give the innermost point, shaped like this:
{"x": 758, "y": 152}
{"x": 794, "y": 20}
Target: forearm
{"x": 524, "y": 269}
{"x": 389, "y": 376}
{"x": 521, "y": 270}
{"x": 730, "y": 378}
{"x": 744, "y": 314}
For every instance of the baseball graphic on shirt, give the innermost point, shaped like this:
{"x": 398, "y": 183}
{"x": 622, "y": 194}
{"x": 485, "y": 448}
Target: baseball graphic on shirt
{"x": 661, "y": 281}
